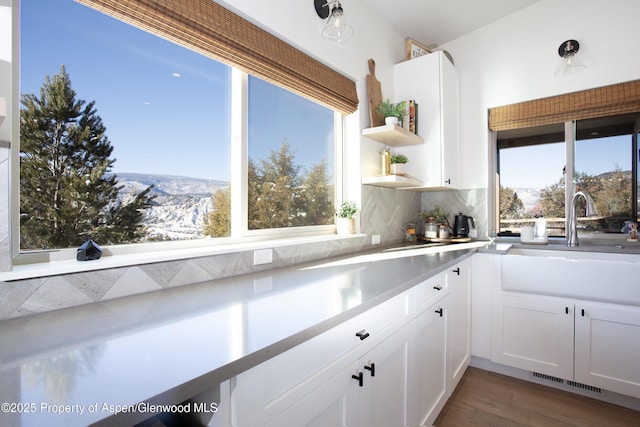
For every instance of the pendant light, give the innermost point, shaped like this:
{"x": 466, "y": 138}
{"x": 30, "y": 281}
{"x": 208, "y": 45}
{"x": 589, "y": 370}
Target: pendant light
{"x": 336, "y": 30}
{"x": 569, "y": 64}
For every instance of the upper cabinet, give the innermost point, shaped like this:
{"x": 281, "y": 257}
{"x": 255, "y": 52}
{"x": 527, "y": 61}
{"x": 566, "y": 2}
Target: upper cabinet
{"x": 432, "y": 81}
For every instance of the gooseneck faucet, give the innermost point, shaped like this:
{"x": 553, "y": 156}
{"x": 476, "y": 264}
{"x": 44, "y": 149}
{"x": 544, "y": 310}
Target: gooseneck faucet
{"x": 572, "y": 234}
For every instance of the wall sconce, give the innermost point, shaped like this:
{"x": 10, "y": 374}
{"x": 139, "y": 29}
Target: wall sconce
{"x": 336, "y": 29}
{"x": 569, "y": 64}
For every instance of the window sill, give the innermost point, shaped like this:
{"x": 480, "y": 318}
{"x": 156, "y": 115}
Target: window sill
{"x": 55, "y": 268}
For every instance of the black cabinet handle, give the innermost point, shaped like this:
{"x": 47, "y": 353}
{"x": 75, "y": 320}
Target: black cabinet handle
{"x": 566, "y": 310}
{"x": 362, "y": 335}
{"x": 583, "y": 312}
{"x": 437, "y": 288}
{"x": 359, "y": 378}
{"x": 457, "y": 271}
{"x": 372, "y": 368}
{"x": 439, "y": 311}
{"x": 448, "y": 181}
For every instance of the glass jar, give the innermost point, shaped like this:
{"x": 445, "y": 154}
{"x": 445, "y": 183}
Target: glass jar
{"x": 431, "y": 228}
{"x": 443, "y": 231}
{"x": 411, "y": 232}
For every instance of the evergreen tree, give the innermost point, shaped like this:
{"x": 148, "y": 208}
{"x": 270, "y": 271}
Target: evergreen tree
{"x": 511, "y": 206}
{"x": 67, "y": 194}
{"x": 278, "y": 196}
{"x": 218, "y": 222}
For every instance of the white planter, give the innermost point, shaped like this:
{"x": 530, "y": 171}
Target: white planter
{"x": 391, "y": 120}
{"x": 346, "y": 226}
{"x": 398, "y": 168}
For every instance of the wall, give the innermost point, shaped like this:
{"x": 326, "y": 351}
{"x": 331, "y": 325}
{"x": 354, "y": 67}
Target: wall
{"x": 383, "y": 211}
{"x": 513, "y": 59}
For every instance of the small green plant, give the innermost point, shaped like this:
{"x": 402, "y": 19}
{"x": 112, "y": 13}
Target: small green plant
{"x": 437, "y": 212}
{"x": 399, "y": 158}
{"x": 347, "y": 210}
{"x": 388, "y": 109}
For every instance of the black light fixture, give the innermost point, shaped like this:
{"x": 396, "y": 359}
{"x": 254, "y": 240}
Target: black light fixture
{"x": 336, "y": 29}
{"x": 569, "y": 64}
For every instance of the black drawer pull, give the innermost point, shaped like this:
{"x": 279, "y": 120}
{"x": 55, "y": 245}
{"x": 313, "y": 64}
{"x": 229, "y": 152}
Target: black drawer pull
{"x": 437, "y": 288}
{"x": 359, "y": 378}
{"x": 439, "y": 311}
{"x": 362, "y": 335}
{"x": 457, "y": 271}
{"x": 372, "y": 368}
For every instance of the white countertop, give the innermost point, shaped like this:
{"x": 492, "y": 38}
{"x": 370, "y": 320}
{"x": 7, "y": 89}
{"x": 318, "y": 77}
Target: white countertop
{"x": 167, "y": 346}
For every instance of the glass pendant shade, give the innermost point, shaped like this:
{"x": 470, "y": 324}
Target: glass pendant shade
{"x": 569, "y": 64}
{"x": 337, "y": 29}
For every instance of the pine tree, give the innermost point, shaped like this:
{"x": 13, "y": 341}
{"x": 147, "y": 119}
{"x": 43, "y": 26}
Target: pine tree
{"x": 218, "y": 222}
{"x": 67, "y": 194}
{"x": 278, "y": 196}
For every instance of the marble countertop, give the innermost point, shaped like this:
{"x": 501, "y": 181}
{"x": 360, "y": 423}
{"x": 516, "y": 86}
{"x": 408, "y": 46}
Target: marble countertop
{"x": 77, "y": 366}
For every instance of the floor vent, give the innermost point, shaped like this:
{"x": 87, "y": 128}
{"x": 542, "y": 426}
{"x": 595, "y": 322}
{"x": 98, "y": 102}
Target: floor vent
{"x": 547, "y": 377}
{"x": 585, "y": 387}
{"x": 567, "y": 384}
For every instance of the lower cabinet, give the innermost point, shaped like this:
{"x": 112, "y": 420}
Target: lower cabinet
{"x": 399, "y": 374}
{"x": 596, "y": 344}
{"x": 430, "y": 368}
{"x": 607, "y": 347}
{"x": 371, "y": 392}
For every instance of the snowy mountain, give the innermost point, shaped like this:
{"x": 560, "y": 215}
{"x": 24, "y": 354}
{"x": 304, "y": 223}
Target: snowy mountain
{"x": 529, "y": 196}
{"x": 181, "y": 204}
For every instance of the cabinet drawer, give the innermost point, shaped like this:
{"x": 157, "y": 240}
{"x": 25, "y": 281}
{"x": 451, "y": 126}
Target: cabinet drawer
{"x": 429, "y": 291}
{"x": 264, "y": 391}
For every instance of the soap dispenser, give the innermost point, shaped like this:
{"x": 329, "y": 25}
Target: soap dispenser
{"x": 540, "y": 228}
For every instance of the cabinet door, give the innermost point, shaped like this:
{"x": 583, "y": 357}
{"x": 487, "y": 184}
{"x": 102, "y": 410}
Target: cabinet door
{"x": 449, "y": 137}
{"x": 332, "y": 404}
{"x": 608, "y": 347}
{"x": 533, "y": 333}
{"x": 458, "y": 322}
{"x": 429, "y": 391}
{"x": 383, "y": 397}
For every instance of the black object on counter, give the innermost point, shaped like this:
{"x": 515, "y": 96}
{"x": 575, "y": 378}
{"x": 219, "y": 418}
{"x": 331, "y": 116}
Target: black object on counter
{"x": 88, "y": 251}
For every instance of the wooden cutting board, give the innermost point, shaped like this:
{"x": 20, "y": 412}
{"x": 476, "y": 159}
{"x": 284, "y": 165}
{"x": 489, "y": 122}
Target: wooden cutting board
{"x": 374, "y": 91}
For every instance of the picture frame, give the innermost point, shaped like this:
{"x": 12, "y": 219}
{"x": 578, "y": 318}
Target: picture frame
{"x": 415, "y": 49}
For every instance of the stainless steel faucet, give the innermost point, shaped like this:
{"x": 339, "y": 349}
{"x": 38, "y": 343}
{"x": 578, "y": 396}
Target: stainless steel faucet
{"x": 572, "y": 235}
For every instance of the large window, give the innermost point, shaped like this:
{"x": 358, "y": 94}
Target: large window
{"x": 126, "y": 138}
{"x": 537, "y": 170}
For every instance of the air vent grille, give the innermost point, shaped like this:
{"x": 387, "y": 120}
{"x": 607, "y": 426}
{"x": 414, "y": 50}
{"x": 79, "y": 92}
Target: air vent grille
{"x": 567, "y": 384}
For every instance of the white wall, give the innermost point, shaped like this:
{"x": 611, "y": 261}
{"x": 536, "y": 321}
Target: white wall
{"x": 513, "y": 60}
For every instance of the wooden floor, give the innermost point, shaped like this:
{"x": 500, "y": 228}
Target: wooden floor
{"x": 485, "y": 398}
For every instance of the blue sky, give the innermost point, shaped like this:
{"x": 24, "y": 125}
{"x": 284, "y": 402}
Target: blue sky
{"x": 165, "y": 107}
{"x": 539, "y": 166}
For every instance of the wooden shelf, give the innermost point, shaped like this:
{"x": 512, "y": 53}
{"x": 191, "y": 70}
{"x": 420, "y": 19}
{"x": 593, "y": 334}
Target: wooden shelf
{"x": 391, "y": 181}
{"x": 392, "y": 135}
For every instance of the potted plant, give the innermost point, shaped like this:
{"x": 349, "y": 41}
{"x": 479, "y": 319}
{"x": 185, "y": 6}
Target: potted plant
{"x": 392, "y": 113}
{"x": 346, "y": 223}
{"x": 398, "y": 162}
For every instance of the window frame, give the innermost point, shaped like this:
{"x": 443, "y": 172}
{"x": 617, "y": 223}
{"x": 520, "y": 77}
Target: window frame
{"x": 570, "y": 133}
{"x": 240, "y": 234}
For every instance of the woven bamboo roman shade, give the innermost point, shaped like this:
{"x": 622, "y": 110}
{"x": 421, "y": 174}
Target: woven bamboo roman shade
{"x": 214, "y": 31}
{"x": 604, "y": 101}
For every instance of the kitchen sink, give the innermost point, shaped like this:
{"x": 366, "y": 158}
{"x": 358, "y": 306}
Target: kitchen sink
{"x": 619, "y": 255}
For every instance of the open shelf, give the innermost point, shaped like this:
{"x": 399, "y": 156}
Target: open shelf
{"x": 392, "y": 135}
{"x": 391, "y": 181}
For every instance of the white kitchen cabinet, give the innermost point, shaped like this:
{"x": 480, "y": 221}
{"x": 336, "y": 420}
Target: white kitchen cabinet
{"x": 533, "y": 333}
{"x": 459, "y": 322}
{"x": 432, "y": 81}
{"x": 596, "y": 344}
{"x": 485, "y": 277}
{"x": 607, "y": 347}
{"x": 370, "y": 392}
{"x": 429, "y": 393}
{"x": 277, "y": 384}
